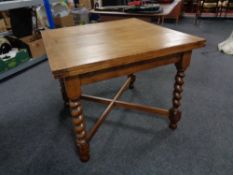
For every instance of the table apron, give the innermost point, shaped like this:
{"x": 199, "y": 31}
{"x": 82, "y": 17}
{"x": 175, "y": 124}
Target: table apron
{"x": 128, "y": 69}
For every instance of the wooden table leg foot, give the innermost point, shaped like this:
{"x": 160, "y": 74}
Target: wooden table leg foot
{"x": 84, "y": 152}
{"x": 174, "y": 118}
{"x": 133, "y": 79}
{"x": 79, "y": 129}
{"x": 172, "y": 126}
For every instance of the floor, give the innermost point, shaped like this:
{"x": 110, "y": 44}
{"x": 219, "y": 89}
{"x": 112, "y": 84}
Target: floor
{"x": 36, "y": 135}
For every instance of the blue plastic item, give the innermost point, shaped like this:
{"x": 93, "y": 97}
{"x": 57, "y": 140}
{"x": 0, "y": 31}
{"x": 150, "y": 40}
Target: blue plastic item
{"x": 49, "y": 14}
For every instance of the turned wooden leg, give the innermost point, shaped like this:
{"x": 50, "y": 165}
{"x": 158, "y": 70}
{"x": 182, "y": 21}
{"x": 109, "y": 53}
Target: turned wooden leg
{"x": 158, "y": 20}
{"x": 73, "y": 90}
{"x": 177, "y": 19}
{"x": 63, "y": 92}
{"x": 79, "y": 129}
{"x": 181, "y": 66}
{"x": 131, "y": 84}
{"x": 162, "y": 20}
{"x": 175, "y": 113}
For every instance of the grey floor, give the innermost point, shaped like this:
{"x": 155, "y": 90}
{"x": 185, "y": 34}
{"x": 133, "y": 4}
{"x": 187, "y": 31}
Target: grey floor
{"x": 36, "y": 134}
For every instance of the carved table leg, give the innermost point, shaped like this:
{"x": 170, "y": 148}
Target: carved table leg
{"x": 133, "y": 79}
{"x": 181, "y": 66}
{"x": 63, "y": 92}
{"x": 79, "y": 129}
{"x": 175, "y": 113}
{"x": 73, "y": 90}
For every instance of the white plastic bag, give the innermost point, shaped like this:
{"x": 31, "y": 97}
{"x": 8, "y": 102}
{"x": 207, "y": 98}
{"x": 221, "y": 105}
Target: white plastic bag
{"x": 81, "y": 15}
{"x": 227, "y": 45}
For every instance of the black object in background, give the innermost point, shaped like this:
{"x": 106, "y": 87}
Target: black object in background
{"x": 21, "y": 21}
{"x": 75, "y": 3}
{"x": 5, "y": 48}
{"x": 17, "y": 43}
{"x": 113, "y": 2}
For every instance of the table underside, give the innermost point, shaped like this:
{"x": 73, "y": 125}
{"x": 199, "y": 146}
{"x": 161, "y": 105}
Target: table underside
{"x": 71, "y": 91}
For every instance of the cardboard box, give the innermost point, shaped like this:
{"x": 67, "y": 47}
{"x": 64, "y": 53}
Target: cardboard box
{"x": 65, "y": 21}
{"x": 21, "y": 57}
{"x": 35, "y": 45}
{"x": 7, "y": 19}
{"x": 85, "y": 3}
{"x": 7, "y": 22}
{"x": 3, "y": 27}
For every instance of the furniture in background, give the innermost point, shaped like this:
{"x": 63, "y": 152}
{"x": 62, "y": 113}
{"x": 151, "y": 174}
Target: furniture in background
{"x": 217, "y": 7}
{"x": 189, "y": 6}
{"x": 172, "y": 10}
{"x": 95, "y": 52}
{"x": 210, "y": 6}
{"x": 226, "y": 6}
{"x": 176, "y": 12}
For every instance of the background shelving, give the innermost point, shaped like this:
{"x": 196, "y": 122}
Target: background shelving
{"x": 7, "y": 5}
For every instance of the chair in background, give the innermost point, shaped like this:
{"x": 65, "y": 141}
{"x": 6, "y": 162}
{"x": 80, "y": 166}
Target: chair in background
{"x": 209, "y": 6}
{"x": 226, "y": 6}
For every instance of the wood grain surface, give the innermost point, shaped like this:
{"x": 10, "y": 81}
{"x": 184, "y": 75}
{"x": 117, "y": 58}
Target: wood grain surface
{"x": 90, "y": 53}
{"x": 82, "y": 49}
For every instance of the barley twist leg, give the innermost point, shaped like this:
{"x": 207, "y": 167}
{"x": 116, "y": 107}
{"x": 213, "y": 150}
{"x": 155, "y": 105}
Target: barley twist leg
{"x": 175, "y": 113}
{"x": 79, "y": 129}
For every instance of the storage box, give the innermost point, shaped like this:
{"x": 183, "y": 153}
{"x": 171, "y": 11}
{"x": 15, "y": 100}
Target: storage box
{"x": 6, "y": 19}
{"x": 35, "y": 45}
{"x": 7, "y": 22}
{"x": 21, "y": 57}
{"x": 3, "y": 26}
{"x": 65, "y": 21}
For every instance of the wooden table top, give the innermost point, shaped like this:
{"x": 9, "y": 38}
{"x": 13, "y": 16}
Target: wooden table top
{"x": 167, "y": 9}
{"x": 82, "y": 49}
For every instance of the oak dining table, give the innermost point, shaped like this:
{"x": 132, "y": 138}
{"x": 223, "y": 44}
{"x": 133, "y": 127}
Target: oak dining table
{"x": 90, "y": 53}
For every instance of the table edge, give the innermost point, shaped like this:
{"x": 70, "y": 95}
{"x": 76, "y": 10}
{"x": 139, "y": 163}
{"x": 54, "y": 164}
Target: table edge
{"x": 78, "y": 70}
